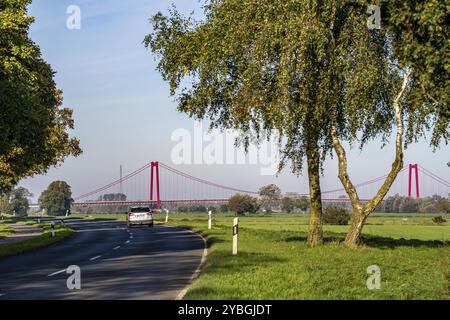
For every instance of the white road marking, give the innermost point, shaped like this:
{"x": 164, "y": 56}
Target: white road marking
{"x": 128, "y": 241}
{"x": 2, "y": 294}
{"x": 118, "y": 247}
{"x": 131, "y": 237}
{"x": 55, "y": 273}
{"x": 94, "y": 258}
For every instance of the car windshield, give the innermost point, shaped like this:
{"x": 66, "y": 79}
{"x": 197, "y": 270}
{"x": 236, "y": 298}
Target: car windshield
{"x": 140, "y": 209}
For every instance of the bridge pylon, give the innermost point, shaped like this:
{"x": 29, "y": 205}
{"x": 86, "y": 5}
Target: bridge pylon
{"x": 154, "y": 174}
{"x": 414, "y": 167}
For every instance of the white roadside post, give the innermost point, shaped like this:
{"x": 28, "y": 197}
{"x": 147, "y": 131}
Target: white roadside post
{"x": 53, "y": 229}
{"x": 167, "y": 216}
{"x": 235, "y": 235}
{"x": 210, "y": 220}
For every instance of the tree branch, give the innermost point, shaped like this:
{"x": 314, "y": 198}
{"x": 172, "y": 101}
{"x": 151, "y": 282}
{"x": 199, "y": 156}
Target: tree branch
{"x": 343, "y": 173}
{"x": 397, "y": 165}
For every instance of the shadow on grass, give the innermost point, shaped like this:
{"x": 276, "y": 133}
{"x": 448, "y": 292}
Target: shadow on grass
{"x": 378, "y": 242}
{"x": 390, "y": 243}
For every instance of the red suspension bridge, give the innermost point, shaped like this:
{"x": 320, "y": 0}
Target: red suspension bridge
{"x": 161, "y": 185}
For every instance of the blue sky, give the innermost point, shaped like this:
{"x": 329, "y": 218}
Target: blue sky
{"x": 122, "y": 108}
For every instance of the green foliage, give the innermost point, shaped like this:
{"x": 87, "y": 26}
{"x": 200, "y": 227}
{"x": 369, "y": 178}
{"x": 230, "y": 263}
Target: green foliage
{"x": 241, "y": 204}
{"x": 278, "y": 67}
{"x": 61, "y": 233}
{"x": 420, "y": 33}
{"x": 194, "y": 208}
{"x": 18, "y": 201}
{"x": 269, "y": 197}
{"x": 224, "y": 208}
{"x": 212, "y": 209}
{"x": 287, "y": 204}
{"x": 57, "y": 198}
{"x": 33, "y": 127}
{"x": 113, "y": 197}
{"x": 183, "y": 208}
{"x": 336, "y": 216}
{"x": 434, "y": 204}
{"x": 302, "y": 203}
{"x": 443, "y": 205}
{"x": 439, "y": 220}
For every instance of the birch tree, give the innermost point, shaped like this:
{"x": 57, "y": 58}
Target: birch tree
{"x": 277, "y": 67}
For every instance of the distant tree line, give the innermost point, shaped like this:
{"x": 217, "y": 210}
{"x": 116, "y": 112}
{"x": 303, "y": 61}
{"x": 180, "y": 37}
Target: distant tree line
{"x": 113, "y": 197}
{"x": 400, "y": 204}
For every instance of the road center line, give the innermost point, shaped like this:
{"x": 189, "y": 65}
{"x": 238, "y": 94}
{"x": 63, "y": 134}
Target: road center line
{"x": 118, "y": 247}
{"x": 128, "y": 241}
{"x": 55, "y": 273}
{"x": 94, "y": 258}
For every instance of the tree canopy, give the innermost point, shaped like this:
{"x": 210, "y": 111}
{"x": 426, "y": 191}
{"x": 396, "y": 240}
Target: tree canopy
{"x": 269, "y": 197}
{"x": 57, "y": 198}
{"x": 33, "y": 127}
{"x": 16, "y": 202}
{"x": 416, "y": 36}
{"x": 266, "y": 67}
{"x": 243, "y": 203}
{"x": 420, "y": 32}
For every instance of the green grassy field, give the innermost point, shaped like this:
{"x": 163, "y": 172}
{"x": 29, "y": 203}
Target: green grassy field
{"x": 61, "y": 233}
{"x": 275, "y": 263}
{"x": 5, "y": 231}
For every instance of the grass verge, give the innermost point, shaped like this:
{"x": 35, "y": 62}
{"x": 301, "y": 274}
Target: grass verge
{"x": 275, "y": 263}
{"x": 44, "y": 240}
{"x": 5, "y": 231}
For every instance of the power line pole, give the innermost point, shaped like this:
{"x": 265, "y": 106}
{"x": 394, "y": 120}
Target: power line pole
{"x": 121, "y": 189}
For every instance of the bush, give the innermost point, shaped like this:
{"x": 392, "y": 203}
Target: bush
{"x": 183, "y": 208}
{"x": 336, "y": 216}
{"x": 439, "y": 220}
{"x": 224, "y": 208}
{"x": 287, "y": 204}
{"x": 198, "y": 208}
{"x": 241, "y": 204}
{"x": 212, "y": 209}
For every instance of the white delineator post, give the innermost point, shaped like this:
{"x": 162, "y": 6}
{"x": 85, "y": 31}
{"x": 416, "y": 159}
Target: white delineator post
{"x": 209, "y": 220}
{"x": 235, "y": 235}
{"x": 53, "y": 229}
{"x": 167, "y": 216}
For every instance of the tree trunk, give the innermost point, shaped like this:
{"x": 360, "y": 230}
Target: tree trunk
{"x": 315, "y": 235}
{"x": 361, "y": 212}
{"x": 356, "y": 227}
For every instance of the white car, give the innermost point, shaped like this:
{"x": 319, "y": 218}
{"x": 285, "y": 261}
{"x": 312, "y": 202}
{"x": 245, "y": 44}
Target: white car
{"x": 140, "y": 216}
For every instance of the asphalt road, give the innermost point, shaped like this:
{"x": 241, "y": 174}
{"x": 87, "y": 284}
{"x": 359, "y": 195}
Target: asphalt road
{"x": 115, "y": 262}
